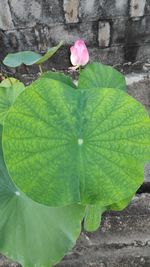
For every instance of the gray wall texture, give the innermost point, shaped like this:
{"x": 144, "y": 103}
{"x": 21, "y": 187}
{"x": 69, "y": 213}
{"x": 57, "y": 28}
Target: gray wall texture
{"x": 116, "y": 31}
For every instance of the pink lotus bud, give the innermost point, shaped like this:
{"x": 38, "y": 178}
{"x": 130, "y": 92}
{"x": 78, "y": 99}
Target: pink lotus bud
{"x": 79, "y": 54}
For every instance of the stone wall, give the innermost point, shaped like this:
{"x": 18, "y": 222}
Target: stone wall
{"x": 116, "y": 31}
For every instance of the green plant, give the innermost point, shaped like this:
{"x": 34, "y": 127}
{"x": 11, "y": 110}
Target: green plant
{"x": 72, "y": 152}
{"x": 29, "y": 58}
{"x": 10, "y": 88}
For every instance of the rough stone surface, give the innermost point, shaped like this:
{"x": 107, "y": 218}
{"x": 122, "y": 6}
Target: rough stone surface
{"x": 104, "y": 34}
{"x": 71, "y": 10}
{"x": 26, "y": 13}
{"x": 97, "y": 10}
{"x": 117, "y": 8}
{"x": 130, "y": 32}
{"x": 5, "y": 16}
{"x": 137, "y": 8}
{"x": 147, "y": 7}
{"x": 147, "y": 173}
{"x": 90, "y": 10}
{"x": 42, "y": 36}
{"x": 111, "y": 55}
{"x": 141, "y": 91}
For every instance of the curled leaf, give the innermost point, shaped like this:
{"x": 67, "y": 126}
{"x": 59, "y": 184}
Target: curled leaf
{"x": 29, "y": 57}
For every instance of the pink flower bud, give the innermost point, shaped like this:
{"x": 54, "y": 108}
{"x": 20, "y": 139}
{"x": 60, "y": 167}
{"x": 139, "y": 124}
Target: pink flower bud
{"x": 79, "y": 54}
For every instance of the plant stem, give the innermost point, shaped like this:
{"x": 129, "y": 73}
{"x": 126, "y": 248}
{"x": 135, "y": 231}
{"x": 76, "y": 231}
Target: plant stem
{"x": 40, "y": 68}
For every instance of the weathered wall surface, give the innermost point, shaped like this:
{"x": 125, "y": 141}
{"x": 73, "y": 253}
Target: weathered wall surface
{"x": 116, "y": 31}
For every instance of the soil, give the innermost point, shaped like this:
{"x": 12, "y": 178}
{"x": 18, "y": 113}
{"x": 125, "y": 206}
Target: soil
{"x": 141, "y": 91}
{"x": 124, "y": 237}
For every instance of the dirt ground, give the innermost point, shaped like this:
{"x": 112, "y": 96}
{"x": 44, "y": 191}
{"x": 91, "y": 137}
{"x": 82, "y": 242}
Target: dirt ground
{"x": 124, "y": 237}
{"x": 141, "y": 91}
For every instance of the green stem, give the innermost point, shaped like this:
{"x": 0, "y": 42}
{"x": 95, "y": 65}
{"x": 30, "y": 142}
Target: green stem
{"x": 40, "y": 68}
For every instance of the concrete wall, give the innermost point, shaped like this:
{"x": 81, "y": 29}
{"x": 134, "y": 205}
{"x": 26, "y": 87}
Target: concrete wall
{"x": 116, "y": 31}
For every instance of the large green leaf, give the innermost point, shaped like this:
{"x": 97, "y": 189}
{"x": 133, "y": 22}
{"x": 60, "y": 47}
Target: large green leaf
{"x": 97, "y": 75}
{"x": 66, "y": 146}
{"x": 58, "y": 77}
{"x": 10, "y": 88}
{"x": 33, "y": 234}
{"x": 29, "y": 57}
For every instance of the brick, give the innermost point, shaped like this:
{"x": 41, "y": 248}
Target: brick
{"x": 134, "y": 53}
{"x": 137, "y": 8}
{"x": 130, "y": 32}
{"x": 104, "y": 34}
{"x": 23, "y": 39}
{"x": 71, "y": 32}
{"x": 110, "y": 55}
{"x": 26, "y": 13}
{"x": 95, "y": 10}
{"x": 90, "y": 10}
{"x": 121, "y": 7}
{"x": 71, "y": 10}
{"x": 143, "y": 53}
{"x": 117, "y": 8}
{"x": 147, "y": 7}
{"x": 5, "y": 16}
{"x": 118, "y": 32}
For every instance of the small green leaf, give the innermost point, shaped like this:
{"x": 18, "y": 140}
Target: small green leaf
{"x": 65, "y": 146}
{"x": 14, "y": 60}
{"x": 49, "y": 53}
{"x": 96, "y": 75}
{"x": 10, "y": 88}
{"x": 33, "y": 234}
{"x": 29, "y": 58}
{"x": 58, "y": 77}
